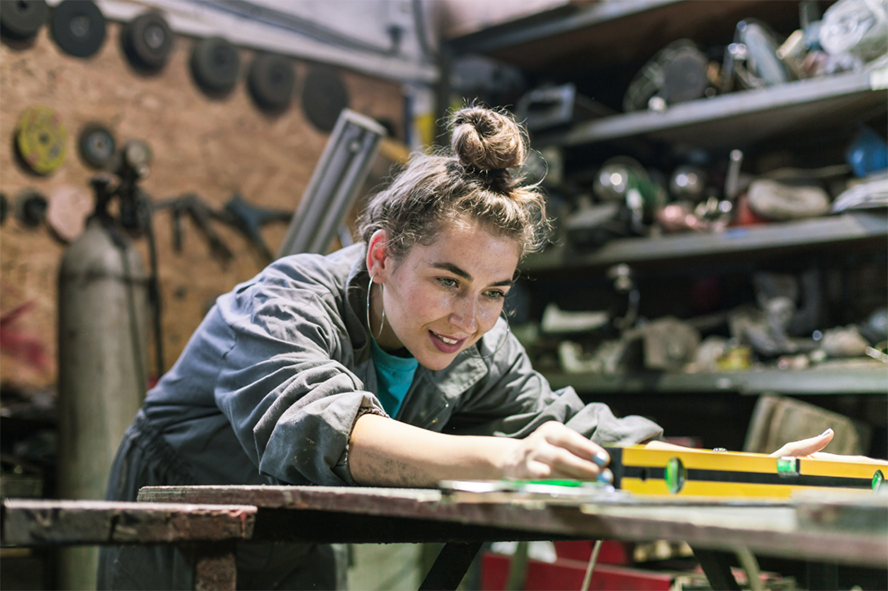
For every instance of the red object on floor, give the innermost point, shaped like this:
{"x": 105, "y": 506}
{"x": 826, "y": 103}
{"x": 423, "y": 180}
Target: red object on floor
{"x": 612, "y": 552}
{"x": 568, "y": 574}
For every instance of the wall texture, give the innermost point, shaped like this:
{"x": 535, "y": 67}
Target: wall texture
{"x": 212, "y": 147}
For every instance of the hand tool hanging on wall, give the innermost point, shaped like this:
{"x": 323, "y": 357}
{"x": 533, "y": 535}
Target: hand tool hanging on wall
{"x": 324, "y": 97}
{"x": 215, "y": 64}
{"x": 200, "y": 213}
{"x": 339, "y": 174}
{"x": 40, "y": 140}
{"x": 78, "y": 27}
{"x": 270, "y": 81}
{"x": 249, "y": 219}
{"x": 147, "y": 41}
{"x": 22, "y": 19}
{"x": 96, "y": 146}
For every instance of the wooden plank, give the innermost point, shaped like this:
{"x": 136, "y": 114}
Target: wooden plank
{"x": 31, "y": 522}
{"x": 408, "y": 515}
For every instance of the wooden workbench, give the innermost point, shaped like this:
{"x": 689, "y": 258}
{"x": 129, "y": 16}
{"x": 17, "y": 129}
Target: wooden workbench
{"x": 835, "y": 529}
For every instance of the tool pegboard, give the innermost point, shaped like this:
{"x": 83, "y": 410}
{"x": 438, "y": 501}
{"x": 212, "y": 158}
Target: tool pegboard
{"x": 213, "y": 147}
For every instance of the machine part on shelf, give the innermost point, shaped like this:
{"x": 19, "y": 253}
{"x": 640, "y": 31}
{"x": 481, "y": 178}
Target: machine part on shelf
{"x": 69, "y": 207}
{"x": 103, "y": 339}
{"x": 4, "y": 207}
{"x": 778, "y": 201}
{"x": 215, "y": 64}
{"x": 867, "y": 153}
{"x": 78, "y": 27}
{"x": 40, "y": 139}
{"x": 859, "y": 27}
{"x": 669, "y": 344}
{"x": 684, "y": 76}
{"x": 732, "y": 179}
{"x": 22, "y": 19}
{"x": 324, "y": 97}
{"x": 30, "y": 208}
{"x": 622, "y": 178}
{"x": 624, "y": 283}
{"x": 595, "y": 224}
{"x": 843, "y": 342}
{"x": 875, "y": 327}
{"x": 551, "y": 106}
{"x": 333, "y": 186}
{"x": 680, "y": 217}
{"x": 270, "y": 81}
{"x": 871, "y": 192}
{"x": 688, "y": 182}
{"x": 677, "y": 73}
{"x": 557, "y": 321}
{"x": 249, "y": 219}
{"x": 96, "y": 146}
{"x": 752, "y": 58}
{"x": 201, "y": 214}
{"x": 147, "y": 41}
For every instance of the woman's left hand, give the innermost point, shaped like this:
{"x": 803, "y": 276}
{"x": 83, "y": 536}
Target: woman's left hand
{"x": 805, "y": 447}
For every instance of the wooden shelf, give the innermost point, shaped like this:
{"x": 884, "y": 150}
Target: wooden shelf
{"x": 608, "y": 33}
{"x": 812, "y": 234}
{"x": 742, "y": 118}
{"x": 869, "y": 379}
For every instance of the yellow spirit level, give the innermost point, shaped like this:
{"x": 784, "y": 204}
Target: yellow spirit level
{"x": 698, "y": 472}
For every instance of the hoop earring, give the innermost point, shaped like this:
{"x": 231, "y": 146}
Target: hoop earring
{"x": 382, "y": 324}
{"x": 501, "y": 345}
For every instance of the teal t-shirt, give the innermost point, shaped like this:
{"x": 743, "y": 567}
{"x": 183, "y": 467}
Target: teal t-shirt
{"x": 394, "y": 375}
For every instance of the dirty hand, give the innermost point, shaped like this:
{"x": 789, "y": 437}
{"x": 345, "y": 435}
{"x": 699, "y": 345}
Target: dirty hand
{"x": 556, "y": 451}
{"x": 805, "y": 447}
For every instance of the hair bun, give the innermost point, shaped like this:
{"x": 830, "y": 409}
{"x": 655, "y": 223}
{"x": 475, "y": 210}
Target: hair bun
{"x": 487, "y": 141}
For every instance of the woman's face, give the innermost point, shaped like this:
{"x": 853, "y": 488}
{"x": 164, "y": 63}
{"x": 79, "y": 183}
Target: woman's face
{"x": 441, "y": 298}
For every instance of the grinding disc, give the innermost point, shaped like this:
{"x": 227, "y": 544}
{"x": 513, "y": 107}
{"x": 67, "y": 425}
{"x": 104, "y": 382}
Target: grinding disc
{"x": 147, "y": 41}
{"x": 215, "y": 64}
{"x": 96, "y": 146}
{"x": 68, "y": 208}
{"x": 78, "y": 27}
{"x": 30, "y": 207}
{"x": 270, "y": 81}
{"x": 22, "y": 19}
{"x": 684, "y": 76}
{"x": 40, "y": 139}
{"x": 324, "y": 97}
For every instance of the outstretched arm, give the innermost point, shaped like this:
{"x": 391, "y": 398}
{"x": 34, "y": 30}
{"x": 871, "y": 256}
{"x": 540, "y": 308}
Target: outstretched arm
{"x": 385, "y": 452}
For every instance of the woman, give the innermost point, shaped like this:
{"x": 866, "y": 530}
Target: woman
{"x": 385, "y": 363}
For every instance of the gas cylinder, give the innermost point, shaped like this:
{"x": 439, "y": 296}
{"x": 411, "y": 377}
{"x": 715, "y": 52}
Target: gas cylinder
{"x": 103, "y": 323}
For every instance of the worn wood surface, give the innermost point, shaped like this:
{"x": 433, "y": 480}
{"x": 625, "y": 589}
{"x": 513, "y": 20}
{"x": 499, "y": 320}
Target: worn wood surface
{"x": 325, "y": 514}
{"x": 29, "y": 522}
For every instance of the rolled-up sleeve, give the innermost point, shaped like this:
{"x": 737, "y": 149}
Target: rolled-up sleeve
{"x": 515, "y": 399}
{"x": 290, "y": 402}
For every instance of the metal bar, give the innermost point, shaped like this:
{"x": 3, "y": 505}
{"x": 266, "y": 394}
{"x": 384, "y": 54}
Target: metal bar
{"x": 717, "y": 567}
{"x": 451, "y": 566}
{"x": 337, "y": 177}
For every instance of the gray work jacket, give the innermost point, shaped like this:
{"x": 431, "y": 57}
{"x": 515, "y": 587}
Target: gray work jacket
{"x": 270, "y": 385}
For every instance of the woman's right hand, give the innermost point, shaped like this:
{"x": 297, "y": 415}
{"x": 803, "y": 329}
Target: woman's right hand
{"x": 556, "y": 451}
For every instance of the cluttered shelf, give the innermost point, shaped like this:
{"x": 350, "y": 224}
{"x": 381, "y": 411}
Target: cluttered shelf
{"x": 859, "y": 378}
{"x": 611, "y": 32}
{"x": 741, "y": 118}
{"x": 814, "y": 233}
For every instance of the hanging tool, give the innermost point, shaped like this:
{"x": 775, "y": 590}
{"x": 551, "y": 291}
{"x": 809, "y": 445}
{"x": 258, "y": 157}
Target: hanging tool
{"x": 201, "y": 214}
{"x": 248, "y": 219}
